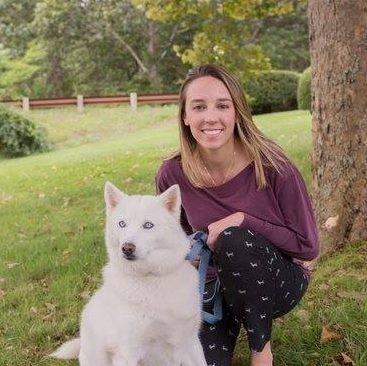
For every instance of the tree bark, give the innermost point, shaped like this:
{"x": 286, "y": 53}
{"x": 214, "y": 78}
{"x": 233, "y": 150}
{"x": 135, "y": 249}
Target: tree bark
{"x": 152, "y": 51}
{"x": 56, "y": 77}
{"x": 338, "y": 46}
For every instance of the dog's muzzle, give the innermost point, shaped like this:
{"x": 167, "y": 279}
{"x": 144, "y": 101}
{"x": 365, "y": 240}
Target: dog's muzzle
{"x": 128, "y": 250}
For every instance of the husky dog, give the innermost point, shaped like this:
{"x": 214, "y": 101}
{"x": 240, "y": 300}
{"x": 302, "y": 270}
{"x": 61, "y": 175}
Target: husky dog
{"x": 148, "y": 311}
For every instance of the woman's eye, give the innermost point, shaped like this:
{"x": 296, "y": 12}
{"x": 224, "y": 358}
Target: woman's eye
{"x": 122, "y": 223}
{"x": 223, "y": 106}
{"x": 148, "y": 225}
{"x": 199, "y": 107}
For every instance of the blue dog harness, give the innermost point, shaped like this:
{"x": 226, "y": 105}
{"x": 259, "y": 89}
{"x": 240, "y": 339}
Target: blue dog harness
{"x": 201, "y": 249}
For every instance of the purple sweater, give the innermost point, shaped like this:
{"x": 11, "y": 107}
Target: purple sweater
{"x": 282, "y": 212}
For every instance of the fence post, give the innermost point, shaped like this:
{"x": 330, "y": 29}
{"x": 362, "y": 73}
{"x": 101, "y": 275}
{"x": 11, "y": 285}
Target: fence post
{"x": 80, "y": 103}
{"x": 25, "y": 104}
{"x": 134, "y": 101}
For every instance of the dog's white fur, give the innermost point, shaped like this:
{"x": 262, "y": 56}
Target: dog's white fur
{"x": 147, "y": 312}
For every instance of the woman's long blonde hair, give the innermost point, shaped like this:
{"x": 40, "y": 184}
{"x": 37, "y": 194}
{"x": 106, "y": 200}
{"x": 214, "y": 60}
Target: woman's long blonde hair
{"x": 263, "y": 151}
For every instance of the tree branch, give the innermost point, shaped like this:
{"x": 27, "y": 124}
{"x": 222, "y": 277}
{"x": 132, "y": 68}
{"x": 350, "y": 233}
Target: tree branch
{"x": 256, "y": 33}
{"x": 169, "y": 43}
{"x": 127, "y": 47}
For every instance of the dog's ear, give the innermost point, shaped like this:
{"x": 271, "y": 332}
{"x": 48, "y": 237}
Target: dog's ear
{"x": 112, "y": 196}
{"x": 172, "y": 200}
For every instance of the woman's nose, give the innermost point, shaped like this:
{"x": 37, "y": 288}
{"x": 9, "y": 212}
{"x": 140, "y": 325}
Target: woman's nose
{"x": 210, "y": 115}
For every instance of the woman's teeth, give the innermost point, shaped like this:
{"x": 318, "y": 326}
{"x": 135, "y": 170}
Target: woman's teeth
{"x": 212, "y": 132}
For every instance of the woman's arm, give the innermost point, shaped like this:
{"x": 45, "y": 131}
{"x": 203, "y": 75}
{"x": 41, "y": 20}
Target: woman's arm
{"x": 298, "y": 237}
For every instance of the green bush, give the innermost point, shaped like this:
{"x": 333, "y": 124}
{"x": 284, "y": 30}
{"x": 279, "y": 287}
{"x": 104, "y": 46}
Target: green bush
{"x": 19, "y": 136}
{"x": 273, "y": 91}
{"x": 304, "y": 90}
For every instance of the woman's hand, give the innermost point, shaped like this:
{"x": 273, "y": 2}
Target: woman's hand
{"x": 215, "y": 228}
{"x": 196, "y": 261}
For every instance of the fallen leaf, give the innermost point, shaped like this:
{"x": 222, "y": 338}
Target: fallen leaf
{"x": 331, "y": 222}
{"x": 41, "y": 195}
{"x": 328, "y": 335}
{"x": 2, "y": 280}
{"x": 66, "y": 201}
{"x": 12, "y": 265}
{"x": 34, "y": 310}
{"x": 50, "y": 306}
{"x": 2, "y": 294}
{"x": 51, "y": 311}
{"x": 48, "y": 316}
{"x": 43, "y": 282}
{"x": 66, "y": 253}
{"x": 344, "y": 360}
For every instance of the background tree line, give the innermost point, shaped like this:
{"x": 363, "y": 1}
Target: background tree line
{"x": 52, "y": 48}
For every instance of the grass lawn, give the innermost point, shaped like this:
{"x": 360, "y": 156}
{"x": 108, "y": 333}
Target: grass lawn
{"x": 51, "y": 238}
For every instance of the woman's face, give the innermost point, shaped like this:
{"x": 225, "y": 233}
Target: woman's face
{"x": 210, "y": 113}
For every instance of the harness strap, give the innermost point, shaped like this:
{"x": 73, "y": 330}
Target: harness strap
{"x": 201, "y": 249}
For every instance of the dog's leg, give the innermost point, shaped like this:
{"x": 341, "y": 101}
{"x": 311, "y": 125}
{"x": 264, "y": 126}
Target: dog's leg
{"x": 194, "y": 354}
{"x": 126, "y": 359}
{"x": 92, "y": 354}
{"x": 101, "y": 359}
{"x": 121, "y": 361}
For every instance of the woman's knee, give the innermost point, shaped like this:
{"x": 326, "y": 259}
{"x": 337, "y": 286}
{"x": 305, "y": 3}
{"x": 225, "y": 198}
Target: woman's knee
{"x": 228, "y": 238}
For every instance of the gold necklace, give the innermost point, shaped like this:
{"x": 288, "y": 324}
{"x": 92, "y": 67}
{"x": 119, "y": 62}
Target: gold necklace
{"x": 230, "y": 168}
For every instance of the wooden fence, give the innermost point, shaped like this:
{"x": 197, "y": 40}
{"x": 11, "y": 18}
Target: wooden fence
{"x": 80, "y": 101}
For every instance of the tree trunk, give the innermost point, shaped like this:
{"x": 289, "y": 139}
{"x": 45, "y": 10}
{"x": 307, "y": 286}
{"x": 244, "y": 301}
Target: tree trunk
{"x": 338, "y": 45}
{"x": 153, "y": 74}
{"x": 56, "y": 77}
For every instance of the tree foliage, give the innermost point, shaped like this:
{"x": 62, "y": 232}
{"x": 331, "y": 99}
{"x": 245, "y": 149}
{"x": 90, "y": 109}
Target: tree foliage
{"x": 60, "y": 48}
{"x": 225, "y": 32}
{"x": 284, "y": 39}
{"x": 21, "y": 75}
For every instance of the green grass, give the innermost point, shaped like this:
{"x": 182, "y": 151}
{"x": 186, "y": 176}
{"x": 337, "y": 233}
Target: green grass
{"x": 51, "y": 238}
{"x": 68, "y": 128}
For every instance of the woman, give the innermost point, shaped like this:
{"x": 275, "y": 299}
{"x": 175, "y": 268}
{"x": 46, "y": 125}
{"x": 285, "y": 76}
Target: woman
{"x": 239, "y": 187}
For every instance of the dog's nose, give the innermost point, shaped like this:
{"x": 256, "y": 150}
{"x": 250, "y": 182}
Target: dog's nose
{"x": 128, "y": 249}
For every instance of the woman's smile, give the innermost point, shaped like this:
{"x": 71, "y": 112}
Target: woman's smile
{"x": 213, "y": 132}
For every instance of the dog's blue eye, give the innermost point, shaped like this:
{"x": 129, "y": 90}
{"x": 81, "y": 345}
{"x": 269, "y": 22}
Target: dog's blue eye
{"x": 148, "y": 225}
{"x": 122, "y": 223}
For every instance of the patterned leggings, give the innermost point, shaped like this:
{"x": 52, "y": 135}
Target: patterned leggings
{"x": 259, "y": 284}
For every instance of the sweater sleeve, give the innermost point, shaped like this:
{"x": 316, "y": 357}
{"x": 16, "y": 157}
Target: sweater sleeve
{"x": 298, "y": 237}
{"x": 162, "y": 183}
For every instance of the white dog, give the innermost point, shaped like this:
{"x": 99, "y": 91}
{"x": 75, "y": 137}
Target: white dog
{"x": 148, "y": 312}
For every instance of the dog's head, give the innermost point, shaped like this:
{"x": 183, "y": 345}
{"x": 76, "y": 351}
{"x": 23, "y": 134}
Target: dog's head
{"x": 143, "y": 233}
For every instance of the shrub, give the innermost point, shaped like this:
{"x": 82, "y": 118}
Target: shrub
{"x": 273, "y": 91}
{"x": 19, "y": 136}
{"x": 304, "y": 90}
